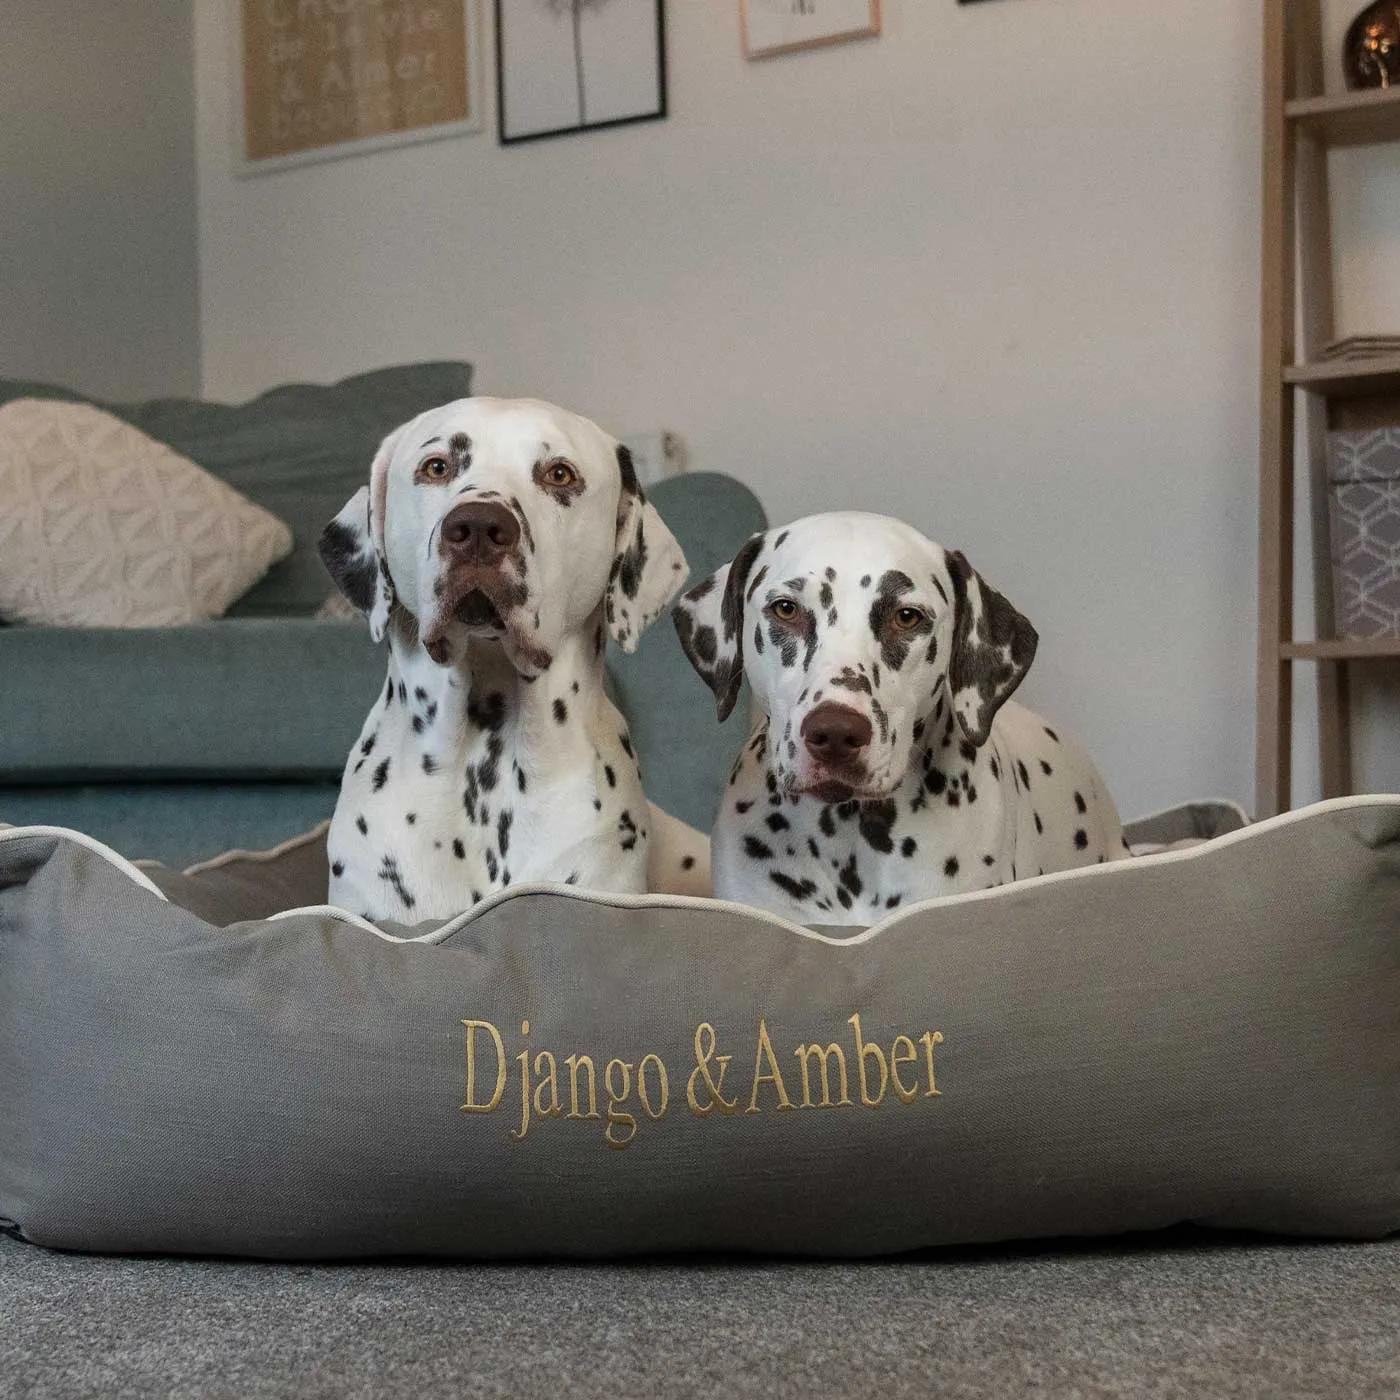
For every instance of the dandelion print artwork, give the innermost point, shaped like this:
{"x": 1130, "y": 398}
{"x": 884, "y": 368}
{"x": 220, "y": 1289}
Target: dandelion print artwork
{"x": 575, "y": 65}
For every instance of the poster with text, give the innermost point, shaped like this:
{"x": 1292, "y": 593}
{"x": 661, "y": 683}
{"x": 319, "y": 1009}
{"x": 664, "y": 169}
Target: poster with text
{"x": 326, "y": 78}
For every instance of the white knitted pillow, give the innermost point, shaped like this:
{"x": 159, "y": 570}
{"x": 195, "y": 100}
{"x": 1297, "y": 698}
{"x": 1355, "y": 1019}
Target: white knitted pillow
{"x": 102, "y": 526}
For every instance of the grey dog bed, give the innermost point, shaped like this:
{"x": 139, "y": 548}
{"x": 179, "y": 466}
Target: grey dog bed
{"x": 1207, "y": 1035}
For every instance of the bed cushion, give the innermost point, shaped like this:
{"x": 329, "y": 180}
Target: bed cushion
{"x": 1211, "y": 1035}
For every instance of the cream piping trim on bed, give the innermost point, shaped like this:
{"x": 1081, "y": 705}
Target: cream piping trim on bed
{"x": 659, "y": 901}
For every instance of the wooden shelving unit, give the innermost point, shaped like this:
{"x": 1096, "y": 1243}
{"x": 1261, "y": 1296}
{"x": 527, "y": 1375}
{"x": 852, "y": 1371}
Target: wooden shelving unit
{"x": 1298, "y": 388}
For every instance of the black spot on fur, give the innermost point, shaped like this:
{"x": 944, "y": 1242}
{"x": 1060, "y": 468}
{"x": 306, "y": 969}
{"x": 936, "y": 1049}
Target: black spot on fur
{"x": 850, "y": 877}
{"x": 458, "y": 849}
{"x": 876, "y": 819}
{"x": 800, "y": 890}
{"x": 561, "y": 712}
{"x": 687, "y": 862}
{"x": 908, "y": 847}
{"x": 1046, "y": 768}
{"x": 1081, "y": 839}
{"x": 1079, "y": 804}
{"x": 756, "y": 849}
{"x": 503, "y": 824}
{"x": 488, "y": 712}
{"x": 775, "y": 821}
{"x": 338, "y": 868}
{"x": 389, "y": 872}
{"x": 610, "y": 775}
{"x": 950, "y": 866}
{"x": 363, "y": 825}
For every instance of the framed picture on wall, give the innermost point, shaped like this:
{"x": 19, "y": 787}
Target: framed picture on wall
{"x": 577, "y": 65}
{"x": 784, "y": 26}
{"x": 316, "y": 81}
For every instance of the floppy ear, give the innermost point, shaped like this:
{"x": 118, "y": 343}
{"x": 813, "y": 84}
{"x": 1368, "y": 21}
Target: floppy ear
{"x": 710, "y": 623}
{"x": 648, "y": 568}
{"x": 993, "y": 647}
{"x": 353, "y": 562}
{"x": 352, "y": 545}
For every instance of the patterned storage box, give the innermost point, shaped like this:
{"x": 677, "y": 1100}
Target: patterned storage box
{"x": 1363, "y": 468}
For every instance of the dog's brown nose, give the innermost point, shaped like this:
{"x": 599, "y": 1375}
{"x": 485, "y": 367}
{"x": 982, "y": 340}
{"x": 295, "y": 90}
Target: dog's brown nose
{"x": 480, "y": 532}
{"x": 836, "y": 733}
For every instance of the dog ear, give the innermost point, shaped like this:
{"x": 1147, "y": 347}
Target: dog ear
{"x": 353, "y": 562}
{"x": 352, "y": 545}
{"x": 710, "y": 624}
{"x": 993, "y": 647}
{"x": 648, "y": 568}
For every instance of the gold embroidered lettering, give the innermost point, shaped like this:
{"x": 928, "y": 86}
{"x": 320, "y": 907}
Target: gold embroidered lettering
{"x": 575, "y": 1063}
{"x": 471, "y": 1105}
{"x": 865, "y": 1049}
{"x": 663, "y": 1079}
{"x": 524, "y": 1058}
{"x": 550, "y": 1082}
{"x": 897, "y": 1058}
{"x": 928, "y": 1040}
{"x": 772, "y": 1075}
{"x": 616, "y": 1097}
{"x": 805, "y": 1054}
{"x": 704, "y": 1051}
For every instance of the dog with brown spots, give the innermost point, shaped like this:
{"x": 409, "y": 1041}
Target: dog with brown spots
{"x": 889, "y": 763}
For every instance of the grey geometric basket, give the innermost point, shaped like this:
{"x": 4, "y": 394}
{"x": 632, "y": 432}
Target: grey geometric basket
{"x": 1363, "y": 470}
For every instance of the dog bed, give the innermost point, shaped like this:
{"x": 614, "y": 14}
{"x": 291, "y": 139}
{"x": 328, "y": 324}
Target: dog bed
{"x": 1208, "y": 1034}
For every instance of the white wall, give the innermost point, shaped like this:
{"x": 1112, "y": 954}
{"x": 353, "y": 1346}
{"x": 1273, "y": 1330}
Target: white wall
{"x": 995, "y": 272}
{"x": 98, "y": 262}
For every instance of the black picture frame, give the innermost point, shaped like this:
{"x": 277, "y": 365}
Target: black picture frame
{"x": 507, "y": 139}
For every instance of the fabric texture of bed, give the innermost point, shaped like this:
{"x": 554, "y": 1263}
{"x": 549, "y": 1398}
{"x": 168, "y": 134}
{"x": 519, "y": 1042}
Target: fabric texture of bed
{"x": 1207, "y": 1036}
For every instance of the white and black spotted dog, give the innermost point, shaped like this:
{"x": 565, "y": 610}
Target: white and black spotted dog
{"x": 889, "y": 765}
{"x": 495, "y": 542}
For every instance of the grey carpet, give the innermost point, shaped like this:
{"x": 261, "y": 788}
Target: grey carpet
{"x": 1179, "y": 1315}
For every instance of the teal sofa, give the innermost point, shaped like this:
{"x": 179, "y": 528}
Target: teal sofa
{"x": 179, "y": 742}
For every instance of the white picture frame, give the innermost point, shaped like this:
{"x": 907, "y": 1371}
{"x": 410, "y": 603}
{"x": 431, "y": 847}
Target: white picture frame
{"x": 350, "y": 71}
{"x": 772, "y": 27}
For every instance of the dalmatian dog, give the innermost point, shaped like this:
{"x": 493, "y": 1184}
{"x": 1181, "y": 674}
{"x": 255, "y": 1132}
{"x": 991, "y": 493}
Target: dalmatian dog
{"x": 497, "y": 544}
{"x": 888, "y": 764}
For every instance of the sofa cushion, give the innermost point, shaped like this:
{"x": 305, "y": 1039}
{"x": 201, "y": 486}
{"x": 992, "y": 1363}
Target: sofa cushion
{"x": 238, "y": 697}
{"x": 299, "y": 450}
{"x": 103, "y": 526}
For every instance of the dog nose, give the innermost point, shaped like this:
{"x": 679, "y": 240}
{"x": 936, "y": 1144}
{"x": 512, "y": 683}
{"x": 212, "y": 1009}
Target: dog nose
{"x": 835, "y": 733}
{"x": 480, "y": 532}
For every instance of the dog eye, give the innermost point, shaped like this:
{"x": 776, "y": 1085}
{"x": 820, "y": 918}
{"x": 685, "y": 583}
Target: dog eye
{"x": 783, "y": 609}
{"x": 907, "y": 619}
{"x": 435, "y": 469}
{"x": 560, "y": 475}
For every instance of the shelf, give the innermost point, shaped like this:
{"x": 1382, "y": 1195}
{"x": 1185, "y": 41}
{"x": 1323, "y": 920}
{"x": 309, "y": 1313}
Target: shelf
{"x": 1349, "y": 118}
{"x": 1343, "y": 379}
{"x": 1371, "y": 649}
